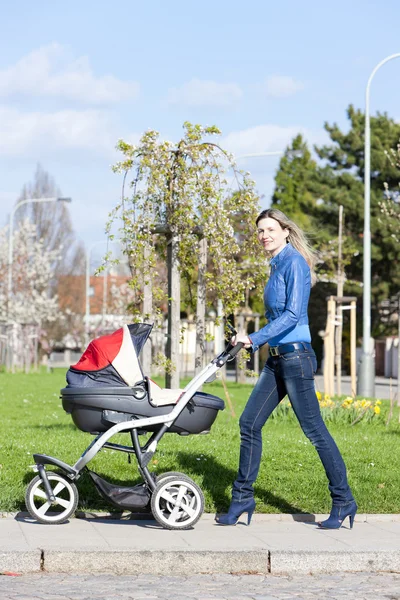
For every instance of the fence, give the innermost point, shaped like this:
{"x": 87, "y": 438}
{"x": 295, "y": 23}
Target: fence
{"x": 19, "y": 346}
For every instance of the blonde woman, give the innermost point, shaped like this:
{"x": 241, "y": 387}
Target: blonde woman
{"x": 290, "y": 370}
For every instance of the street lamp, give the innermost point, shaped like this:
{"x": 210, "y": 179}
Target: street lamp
{"x": 10, "y": 234}
{"x": 366, "y": 374}
{"x": 87, "y": 288}
{"x": 258, "y": 154}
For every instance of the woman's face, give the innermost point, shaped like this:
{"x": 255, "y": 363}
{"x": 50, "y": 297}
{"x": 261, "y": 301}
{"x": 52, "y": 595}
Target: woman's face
{"x": 271, "y": 235}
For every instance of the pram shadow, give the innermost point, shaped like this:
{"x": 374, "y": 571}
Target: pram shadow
{"x": 217, "y": 478}
{"x": 49, "y": 426}
{"x": 145, "y": 520}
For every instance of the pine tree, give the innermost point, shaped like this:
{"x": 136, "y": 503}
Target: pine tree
{"x": 341, "y": 181}
{"x": 295, "y": 182}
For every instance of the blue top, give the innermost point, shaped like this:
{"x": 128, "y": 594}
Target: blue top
{"x": 286, "y": 298}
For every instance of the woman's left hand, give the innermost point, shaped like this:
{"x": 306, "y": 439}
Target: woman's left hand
{"x": 240, "y": 338}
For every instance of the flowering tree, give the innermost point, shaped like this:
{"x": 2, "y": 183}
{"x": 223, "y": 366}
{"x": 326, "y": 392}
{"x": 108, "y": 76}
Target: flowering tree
{"x": 390, "y": 205}
{"x": 390, "y": 219}
{"x": 31, "y": 276}
{"x": 29, "y": 305}
{"x": 182, "y": 206}
{"x": 52, "y": 221}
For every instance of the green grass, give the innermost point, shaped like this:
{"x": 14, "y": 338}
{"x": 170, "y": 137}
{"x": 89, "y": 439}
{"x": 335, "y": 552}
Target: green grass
{"x": 291, "y": 477}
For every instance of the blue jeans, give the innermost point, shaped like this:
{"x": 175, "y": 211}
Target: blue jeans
{"x": 291, "y": 374}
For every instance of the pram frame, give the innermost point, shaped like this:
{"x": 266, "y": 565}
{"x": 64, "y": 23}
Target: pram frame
{"x": 143, "y": 454}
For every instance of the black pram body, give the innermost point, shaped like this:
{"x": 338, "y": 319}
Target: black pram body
{"x": 107, "y": 386}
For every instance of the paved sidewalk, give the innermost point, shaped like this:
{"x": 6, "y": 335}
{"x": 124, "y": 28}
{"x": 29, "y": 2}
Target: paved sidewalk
{"x": 276, "y": 544}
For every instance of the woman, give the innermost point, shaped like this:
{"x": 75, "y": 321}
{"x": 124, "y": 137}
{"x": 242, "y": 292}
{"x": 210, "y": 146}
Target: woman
{"x": 289, "y": 370}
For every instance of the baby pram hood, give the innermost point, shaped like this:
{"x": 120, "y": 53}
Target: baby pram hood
{"x": 112, "y": 360}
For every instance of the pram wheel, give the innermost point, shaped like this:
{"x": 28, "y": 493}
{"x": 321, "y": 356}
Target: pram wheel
{"x": 44, "y": 511}
{"x": 177, "y": 502}
{"x": 170, "y": 474}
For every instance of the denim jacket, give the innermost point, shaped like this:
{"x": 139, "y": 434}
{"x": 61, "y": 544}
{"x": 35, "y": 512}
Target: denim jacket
{"x": 286, "y": 298}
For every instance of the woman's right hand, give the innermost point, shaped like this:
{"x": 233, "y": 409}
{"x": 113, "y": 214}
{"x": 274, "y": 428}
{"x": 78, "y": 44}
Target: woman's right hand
{"x": 240, "y": 338}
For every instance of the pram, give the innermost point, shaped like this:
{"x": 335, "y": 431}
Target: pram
{"x": 108, "y": 394}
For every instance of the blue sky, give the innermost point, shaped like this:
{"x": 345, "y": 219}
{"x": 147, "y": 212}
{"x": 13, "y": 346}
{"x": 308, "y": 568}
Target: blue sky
{"x": 75, "y": 77}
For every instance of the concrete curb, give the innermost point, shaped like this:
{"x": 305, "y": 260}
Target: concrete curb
{"x": 154, "y": 562}
{"x": 274, "y": 544}
{"x": 305, "y": 563}
{"x": 21, "y": 562}
{"x": 189, "y": 562}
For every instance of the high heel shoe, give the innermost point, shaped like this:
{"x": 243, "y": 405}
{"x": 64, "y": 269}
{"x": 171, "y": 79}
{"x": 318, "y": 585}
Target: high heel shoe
{"x": 338, "y": 515}
{"x": 236, "y": 509}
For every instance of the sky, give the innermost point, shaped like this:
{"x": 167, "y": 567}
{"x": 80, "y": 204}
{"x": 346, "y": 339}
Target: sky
{"x": 75, "y": 77}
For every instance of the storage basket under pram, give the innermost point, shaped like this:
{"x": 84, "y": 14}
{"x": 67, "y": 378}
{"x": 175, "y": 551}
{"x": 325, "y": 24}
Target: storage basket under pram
{"x": 108, "y": 394}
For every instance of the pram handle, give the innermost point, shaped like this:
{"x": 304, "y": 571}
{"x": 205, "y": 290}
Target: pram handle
{"x": 235, "y": 349}
{"x": 228, "y": 354}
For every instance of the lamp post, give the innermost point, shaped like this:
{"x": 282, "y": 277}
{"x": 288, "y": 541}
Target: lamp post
{"x": 10, "y": 235}
{"x": 259, "y": 154}
{"x": 366, "y": 374}
{"x": 87, "y": 287}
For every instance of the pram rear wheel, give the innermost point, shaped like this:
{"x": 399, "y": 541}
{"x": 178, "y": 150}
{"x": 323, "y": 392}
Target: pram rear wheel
{"x": 44, "y": 511}
{"x": 177, "y": 502}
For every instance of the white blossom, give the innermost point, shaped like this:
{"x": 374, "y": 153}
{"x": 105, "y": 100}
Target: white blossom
{"x": 31, "y": 299}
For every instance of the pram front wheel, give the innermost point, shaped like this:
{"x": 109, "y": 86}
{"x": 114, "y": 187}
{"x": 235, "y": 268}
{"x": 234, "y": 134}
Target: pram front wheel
{"x": 177, "y": 502}
{"x": 45, "y": 511}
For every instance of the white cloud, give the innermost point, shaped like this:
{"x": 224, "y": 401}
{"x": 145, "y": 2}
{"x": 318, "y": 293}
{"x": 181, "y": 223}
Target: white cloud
{"x": 197, "y": 93}
{"x": 282, "y": 86}
{"x": 269, "y": 138}
{"x": 50, "y": 71}
{"x": 31, "y": 133}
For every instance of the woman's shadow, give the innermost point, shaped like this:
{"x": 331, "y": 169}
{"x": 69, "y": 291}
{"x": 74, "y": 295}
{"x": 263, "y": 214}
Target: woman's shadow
{"x": 217, "y": 478}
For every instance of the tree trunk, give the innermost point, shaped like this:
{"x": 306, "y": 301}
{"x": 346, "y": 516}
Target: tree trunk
{"x": 240, "y": 373}
{"x": 147, "y": 311}
{"x": 220, "y": 335}
{"x": 256, "y": 366}
{"x": 201, "y": 307}
{"x": 174, "y": 301}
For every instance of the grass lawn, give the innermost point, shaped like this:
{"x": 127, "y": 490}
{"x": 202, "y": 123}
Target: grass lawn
{"x": 291, "y": 477}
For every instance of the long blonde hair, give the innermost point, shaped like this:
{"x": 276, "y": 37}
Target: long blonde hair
{"x": 296, "y": 237}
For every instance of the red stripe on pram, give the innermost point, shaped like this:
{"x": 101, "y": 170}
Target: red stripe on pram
{"x": 101, "y": 352}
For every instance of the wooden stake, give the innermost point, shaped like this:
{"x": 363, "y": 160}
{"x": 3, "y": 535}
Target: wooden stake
{"x": 329, "y": 347}
{"x": 228, "y": 398}
{"x": 398, "y": 358}
{"x": 391, "y": 403}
